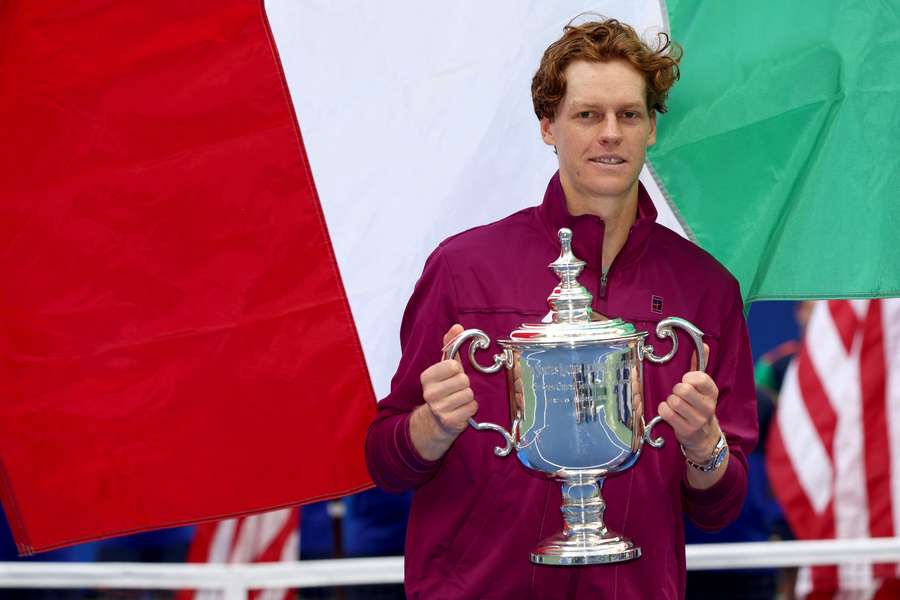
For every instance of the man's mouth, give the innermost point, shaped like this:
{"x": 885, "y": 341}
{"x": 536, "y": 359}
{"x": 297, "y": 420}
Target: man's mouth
{"x": 609, "y": 159}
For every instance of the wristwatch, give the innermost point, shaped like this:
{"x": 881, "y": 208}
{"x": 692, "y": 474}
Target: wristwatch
{"x": 715, "y": 460}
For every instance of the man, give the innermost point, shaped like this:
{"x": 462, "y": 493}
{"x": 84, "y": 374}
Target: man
{"x": 475, "y": 517}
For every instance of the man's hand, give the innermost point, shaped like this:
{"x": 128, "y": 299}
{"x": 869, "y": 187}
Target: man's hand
{"x": 691, "y": 411}
{"x": 449, "y": 403}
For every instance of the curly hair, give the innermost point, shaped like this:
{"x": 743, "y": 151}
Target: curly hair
{"x": 602, "y": 41}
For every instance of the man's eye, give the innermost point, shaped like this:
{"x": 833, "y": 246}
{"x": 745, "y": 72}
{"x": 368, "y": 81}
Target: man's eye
{"x": 585, "y": 114}
{"x": 630, "y": 114}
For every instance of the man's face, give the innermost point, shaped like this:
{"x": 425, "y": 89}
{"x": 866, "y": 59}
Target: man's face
{"x": 601, "y": 131}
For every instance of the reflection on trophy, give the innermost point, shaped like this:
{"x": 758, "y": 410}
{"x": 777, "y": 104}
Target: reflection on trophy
{"x": 576, "y": 401}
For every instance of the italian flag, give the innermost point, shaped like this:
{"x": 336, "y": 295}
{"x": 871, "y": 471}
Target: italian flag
{"x": 213, "y": 212}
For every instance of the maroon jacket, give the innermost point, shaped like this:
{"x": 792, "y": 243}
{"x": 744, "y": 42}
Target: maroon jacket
{"x": 475, "y": 517}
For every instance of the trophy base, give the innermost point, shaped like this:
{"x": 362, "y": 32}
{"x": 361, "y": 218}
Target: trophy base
{"x": 587, "y": 548}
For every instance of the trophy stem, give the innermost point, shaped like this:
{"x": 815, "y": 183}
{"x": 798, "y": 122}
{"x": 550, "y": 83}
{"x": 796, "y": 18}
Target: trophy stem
{"x": 583, "y": 505}
{"x": 584, "y": 540}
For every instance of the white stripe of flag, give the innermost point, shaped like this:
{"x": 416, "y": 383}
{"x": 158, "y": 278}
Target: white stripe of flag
{"x": 416, "y": 132}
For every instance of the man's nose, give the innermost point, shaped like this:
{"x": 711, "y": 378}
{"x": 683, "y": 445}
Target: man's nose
{"x": 610, "y": 130}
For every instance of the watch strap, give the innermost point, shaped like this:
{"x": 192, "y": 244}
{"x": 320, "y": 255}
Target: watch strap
{"x": 715, "y": 459}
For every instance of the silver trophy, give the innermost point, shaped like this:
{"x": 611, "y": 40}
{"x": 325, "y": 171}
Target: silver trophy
{"x": 576, "y": 400}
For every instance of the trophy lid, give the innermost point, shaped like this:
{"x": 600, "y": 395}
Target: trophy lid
{"x": 571, "y": 316}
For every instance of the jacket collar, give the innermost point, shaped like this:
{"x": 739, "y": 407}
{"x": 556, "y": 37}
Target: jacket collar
{"x": 587, "y": 230}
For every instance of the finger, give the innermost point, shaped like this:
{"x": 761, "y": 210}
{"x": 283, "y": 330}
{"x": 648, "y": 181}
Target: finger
{"x": 679, "y": 425}
{"x": 692, "y": 416}
{"x": 435, "y": 390}
{"x": 701, "y": 382}
{"x": 689, "y": 396}
{"x": 519, "y": 398}
{"x": 694, "y": 363}
{"x": 458, "y": 419}
{"x": 452, "y": 333}
{"x": 453, "y": 402}
{"x": 440, "y": 371}
{"x": 469, "y": 410}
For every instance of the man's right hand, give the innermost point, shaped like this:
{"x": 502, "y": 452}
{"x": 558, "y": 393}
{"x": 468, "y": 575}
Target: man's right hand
{"x": 449, "y": 403}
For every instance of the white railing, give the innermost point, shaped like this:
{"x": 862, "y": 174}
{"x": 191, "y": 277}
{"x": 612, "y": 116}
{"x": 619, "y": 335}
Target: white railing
{"x": 236, "y": 580}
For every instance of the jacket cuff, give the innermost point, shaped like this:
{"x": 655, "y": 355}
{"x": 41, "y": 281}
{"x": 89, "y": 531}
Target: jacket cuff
{"x": 406, "y": 450}
{"x": 718, "y": 505}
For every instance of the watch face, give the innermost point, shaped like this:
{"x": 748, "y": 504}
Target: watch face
{"x": 720, "y": 458}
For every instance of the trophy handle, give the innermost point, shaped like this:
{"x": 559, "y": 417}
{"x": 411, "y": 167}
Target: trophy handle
{"x": 656, "y": 442}
{"x": 480, "y": 341}
{"x": 664, "y": 330}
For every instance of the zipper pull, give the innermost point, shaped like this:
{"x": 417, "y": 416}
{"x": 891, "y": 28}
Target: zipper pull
{"x": 603, "y": 278}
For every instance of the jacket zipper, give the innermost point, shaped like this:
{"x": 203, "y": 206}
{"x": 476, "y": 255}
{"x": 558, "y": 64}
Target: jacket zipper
{"x": 604, "y": 276}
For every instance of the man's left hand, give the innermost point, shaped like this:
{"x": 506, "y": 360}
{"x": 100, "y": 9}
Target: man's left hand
{"x": 691, "y": 411}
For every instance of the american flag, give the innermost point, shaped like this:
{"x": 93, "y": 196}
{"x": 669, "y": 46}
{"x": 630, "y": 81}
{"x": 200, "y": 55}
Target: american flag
{"x": 266, "y": 537}
{"x": 833, "y": 454}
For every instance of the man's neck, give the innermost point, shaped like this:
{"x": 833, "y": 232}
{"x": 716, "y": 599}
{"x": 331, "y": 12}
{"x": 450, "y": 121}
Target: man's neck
{"x": 617, "y": 212}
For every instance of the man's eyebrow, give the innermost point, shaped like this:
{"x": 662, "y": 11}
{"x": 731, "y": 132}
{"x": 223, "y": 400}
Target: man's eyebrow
{"x": 584, "y": 104}
{"x": 588, "y": 105}
{"x": 636, "y": 105}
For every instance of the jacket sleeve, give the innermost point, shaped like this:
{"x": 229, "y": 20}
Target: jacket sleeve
{"x": 393, "y": 461}
{"x": 731, "y": 367}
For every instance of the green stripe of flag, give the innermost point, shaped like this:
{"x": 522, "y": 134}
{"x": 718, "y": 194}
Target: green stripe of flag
{"x": 780, "y": 150}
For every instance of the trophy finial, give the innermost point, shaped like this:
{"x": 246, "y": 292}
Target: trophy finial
{"x": 570, "y": 302}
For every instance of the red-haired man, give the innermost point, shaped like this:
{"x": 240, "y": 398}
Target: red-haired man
{"x": 475, "y": 517}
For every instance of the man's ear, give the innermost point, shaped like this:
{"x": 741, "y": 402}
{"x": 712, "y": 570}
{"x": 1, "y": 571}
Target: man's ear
{"x": 546, "y": 134}
{"x": 651, "y": 139}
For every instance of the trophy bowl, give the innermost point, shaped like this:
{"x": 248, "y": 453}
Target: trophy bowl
{"x": 576, "y": 401}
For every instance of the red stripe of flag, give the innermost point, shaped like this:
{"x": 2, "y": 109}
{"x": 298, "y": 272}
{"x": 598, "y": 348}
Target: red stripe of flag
{"x": 875, "y": 430}
{"x": 815, "y": 398}
{"x": 177, "y": 343}
{"x": 845, "y": 321}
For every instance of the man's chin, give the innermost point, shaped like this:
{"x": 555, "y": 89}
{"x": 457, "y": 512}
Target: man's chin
{"x": 620, "y": 186}
{"x": 612, "y": 189}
